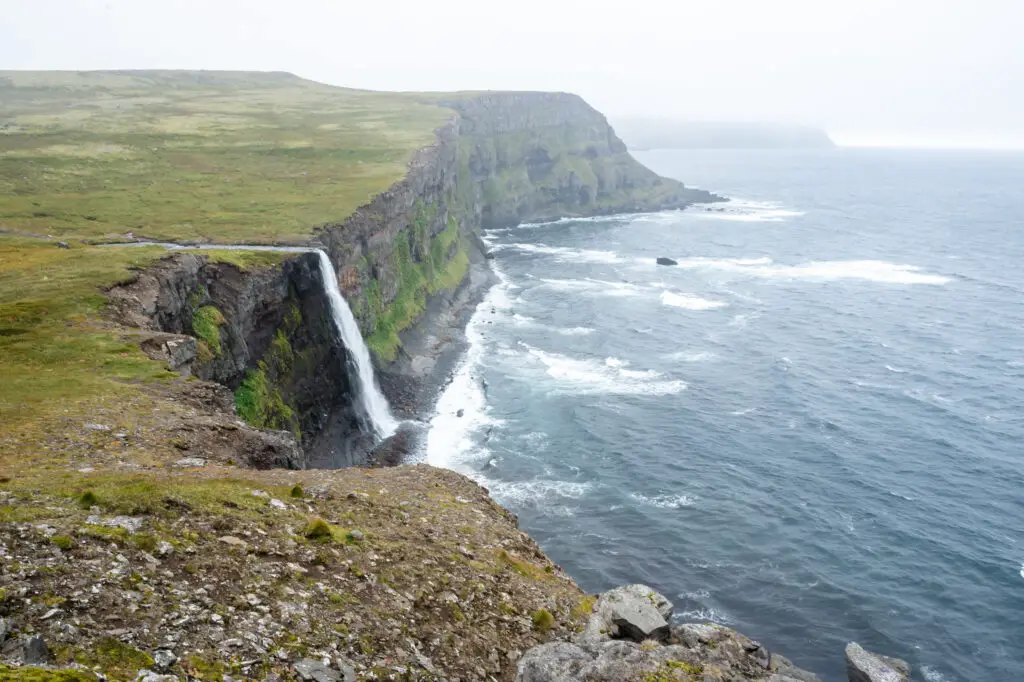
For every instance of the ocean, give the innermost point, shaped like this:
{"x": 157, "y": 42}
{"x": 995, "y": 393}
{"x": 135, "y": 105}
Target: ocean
{"x": 811, "y": 429}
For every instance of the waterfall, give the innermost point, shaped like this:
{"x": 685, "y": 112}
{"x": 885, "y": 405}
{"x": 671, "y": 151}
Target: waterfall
{"x": 373, "y": 402}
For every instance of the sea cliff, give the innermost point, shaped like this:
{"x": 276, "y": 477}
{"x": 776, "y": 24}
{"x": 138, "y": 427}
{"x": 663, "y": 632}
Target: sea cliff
{"x": 158, "y": 516}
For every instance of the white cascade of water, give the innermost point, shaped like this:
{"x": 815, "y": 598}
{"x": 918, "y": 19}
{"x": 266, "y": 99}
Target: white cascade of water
{"x": 373, "y": 402}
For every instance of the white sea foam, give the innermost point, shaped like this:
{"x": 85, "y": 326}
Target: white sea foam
{"x": 566, "y": 254}
{"x": 610, "y": 375}
{"x": 574, "y": 331}
{"x": 689, "y": 301}
{"x": 689, "y": 356}
{"x": 870, "y": 270}
{"x": 544, "y": 491}
{"x": 664, "y": 501}
{"x": 705, "y": 615}
{"x": 594, "y": 287}
{"x": 933, "y": 675}
{"x": 623, "y": 217}
{"x": 450, "y": 441}
{"x": 897, "y": 370}
{"x": 740, "y": 413}
{"x": 748, "y": 211}
{"x": 740, "y": 321}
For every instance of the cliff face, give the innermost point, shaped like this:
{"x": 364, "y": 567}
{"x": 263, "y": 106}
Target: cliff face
{"x": 543, "y": 156}
{"x": 263, "y": 332}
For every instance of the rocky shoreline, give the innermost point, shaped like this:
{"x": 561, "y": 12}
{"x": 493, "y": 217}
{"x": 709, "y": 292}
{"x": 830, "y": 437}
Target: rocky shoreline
{"x": 629, "y": 636}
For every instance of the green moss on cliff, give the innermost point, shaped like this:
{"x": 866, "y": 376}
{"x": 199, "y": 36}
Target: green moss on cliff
{"x": 425, "y": 265}
{"x": 206, "y": 323}
{"x": 259, "y": 402}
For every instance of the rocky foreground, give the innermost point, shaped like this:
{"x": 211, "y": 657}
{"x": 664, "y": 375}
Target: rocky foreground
{"x": 203, "y": 572}
{"x": 628, "y": 636}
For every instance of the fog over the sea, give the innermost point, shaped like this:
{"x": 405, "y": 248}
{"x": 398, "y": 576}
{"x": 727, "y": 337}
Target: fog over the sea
{"x": 913, "y": 72}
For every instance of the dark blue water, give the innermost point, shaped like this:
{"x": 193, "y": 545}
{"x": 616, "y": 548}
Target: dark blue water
{"x": 811, "y": 429}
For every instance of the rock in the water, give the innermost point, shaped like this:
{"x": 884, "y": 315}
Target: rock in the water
{"x": 164, "y": 660}
{"x": 662, "y": 260}
{"x": 634, "y": 612}
{"x": 552, "y": 662}
{"x": 35, "y": 651}
{"x": 312, "y": 670}
{"x": 864, "y": 666}
{"x": 460, "y": 413}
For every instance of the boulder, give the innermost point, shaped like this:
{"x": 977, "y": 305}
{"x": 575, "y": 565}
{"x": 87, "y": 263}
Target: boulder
{"x": 712, "y": 653}
{"x": 864, "y": 666}
{"x": 164, "y": 660}
{"x": 395, "y": 449}
{"x": 150, "y": 676}
{"x": 633, "y": 612}
{"x": 552, "y": 662}
{"x": 312, "y": 670}
{"x": 35, "y": 651}
{"x": 666, "y": 261}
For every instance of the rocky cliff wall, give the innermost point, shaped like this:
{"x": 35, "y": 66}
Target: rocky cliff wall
{"x": 263, "y": 332}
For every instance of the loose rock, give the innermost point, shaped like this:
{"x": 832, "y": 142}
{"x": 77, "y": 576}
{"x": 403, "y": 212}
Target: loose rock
{"x": 310, "y": 669}
{"x": 634, "y": 612}
{"x": 35, "y": 651}
{"x": 864, "y": 666}
{"x": 163, "y": 660}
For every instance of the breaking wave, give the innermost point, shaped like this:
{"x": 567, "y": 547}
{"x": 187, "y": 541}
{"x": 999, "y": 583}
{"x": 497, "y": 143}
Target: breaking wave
{"x": 610, "y": 375}
{"x": 664, "y": 501}
{"x": 748, "y": 211}
{"x": 870, "y": 270}
{"x": 563, "y": 253}
{"x": 689, "y": 301}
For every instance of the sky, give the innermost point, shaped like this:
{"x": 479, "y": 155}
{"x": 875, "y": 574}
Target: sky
{"x": 893, "y": 72}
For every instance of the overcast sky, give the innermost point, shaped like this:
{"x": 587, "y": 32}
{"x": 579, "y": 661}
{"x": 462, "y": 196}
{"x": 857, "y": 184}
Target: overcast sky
{"x": 870, "y": 71}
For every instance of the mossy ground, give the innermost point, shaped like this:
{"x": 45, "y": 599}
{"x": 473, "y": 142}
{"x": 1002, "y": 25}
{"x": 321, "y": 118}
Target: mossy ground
{"x": 434, "y": 562}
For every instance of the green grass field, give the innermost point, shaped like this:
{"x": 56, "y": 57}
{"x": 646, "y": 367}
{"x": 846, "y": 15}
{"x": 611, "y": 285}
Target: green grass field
{"x": 212, "y": 156}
